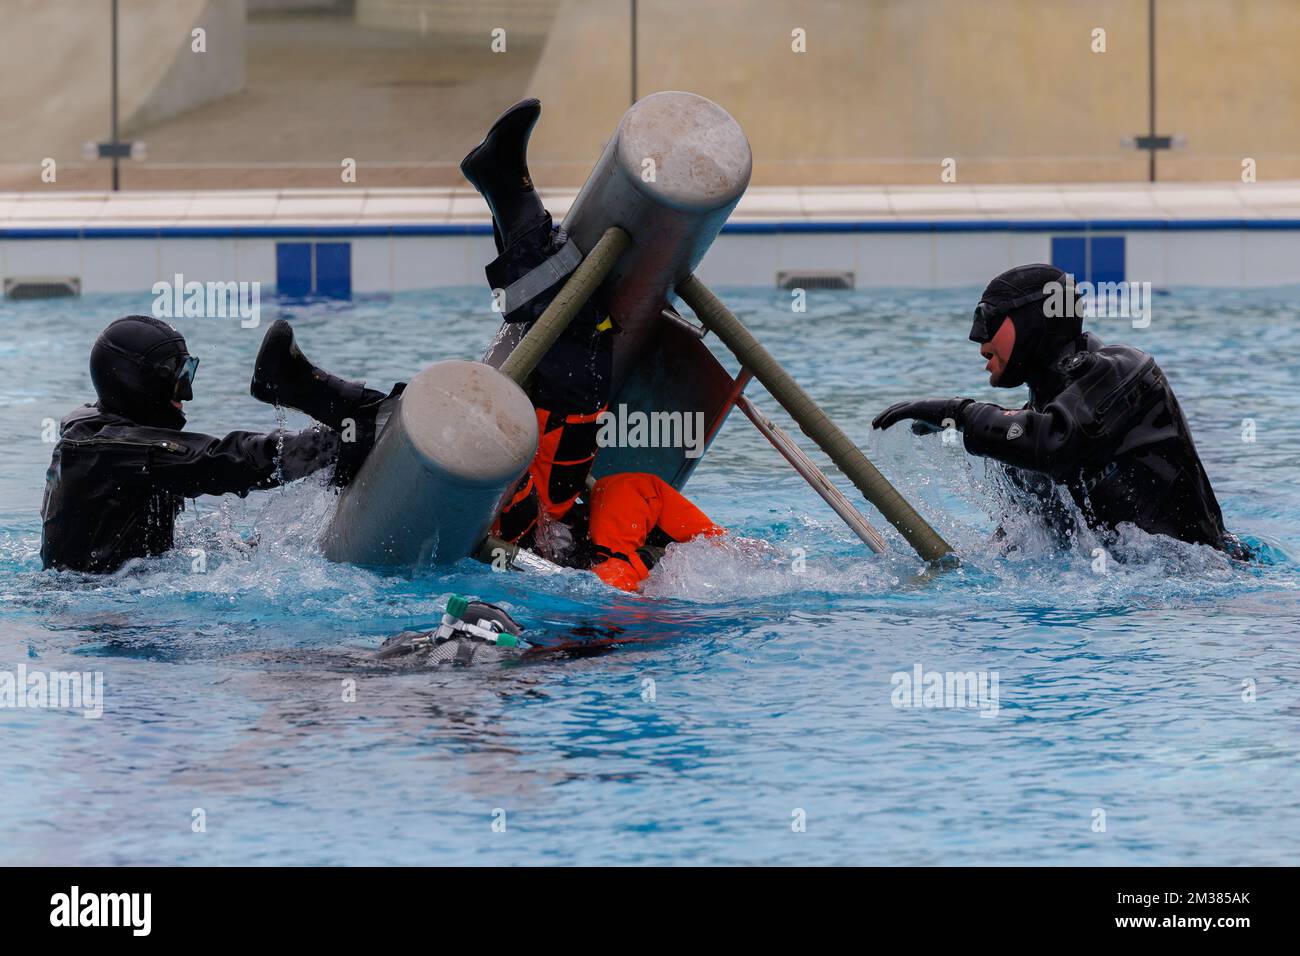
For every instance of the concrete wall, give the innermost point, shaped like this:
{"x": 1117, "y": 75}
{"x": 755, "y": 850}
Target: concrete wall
{"x": 1011, "y": 89}
{"x": 55, "y": 81}
{"x": 1229, "y": 80}
{"x": 469, "y": 18}
{"x": 257, "y": 7}
{"x": 193, "y": 79}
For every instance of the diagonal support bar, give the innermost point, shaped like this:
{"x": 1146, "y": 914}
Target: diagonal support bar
{"x": 813, "y": 421}
{"x": 810, "y": 473}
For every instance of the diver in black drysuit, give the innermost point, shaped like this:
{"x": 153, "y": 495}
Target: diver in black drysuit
{"x": 123, "y": 466}
{"x": 1101, "y": 419}
{"x": 570, "y": 387}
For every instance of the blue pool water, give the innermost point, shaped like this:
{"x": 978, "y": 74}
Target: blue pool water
{"x": 771, "y": 671}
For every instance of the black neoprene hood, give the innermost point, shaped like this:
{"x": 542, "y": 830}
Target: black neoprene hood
{"x": 1022, "y": 294}
{"x": 133, "y": 366}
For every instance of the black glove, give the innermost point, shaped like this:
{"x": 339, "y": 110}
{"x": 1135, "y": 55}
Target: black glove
{"x": 928, "y": 414}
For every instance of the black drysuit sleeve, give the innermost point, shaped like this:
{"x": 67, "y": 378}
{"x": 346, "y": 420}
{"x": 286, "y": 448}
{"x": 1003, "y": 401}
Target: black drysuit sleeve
{"x": 1049, "y": 441}
{"x": 190, "y": 464}
{"x": 1083, "y": 427}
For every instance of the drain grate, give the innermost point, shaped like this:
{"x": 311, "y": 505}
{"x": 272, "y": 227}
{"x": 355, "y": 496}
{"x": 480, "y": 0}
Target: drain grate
{"x": 814, "y": 279}
{"x": 42, "y": 287}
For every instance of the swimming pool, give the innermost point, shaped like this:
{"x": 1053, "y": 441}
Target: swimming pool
{"x": 763, "y": 695}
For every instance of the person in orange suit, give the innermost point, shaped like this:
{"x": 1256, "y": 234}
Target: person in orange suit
{"x": 633, "y": 516}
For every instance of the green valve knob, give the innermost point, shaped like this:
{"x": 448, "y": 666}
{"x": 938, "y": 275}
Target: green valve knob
{"x": 507, "y": 640}
{"x": 457, "y": 606}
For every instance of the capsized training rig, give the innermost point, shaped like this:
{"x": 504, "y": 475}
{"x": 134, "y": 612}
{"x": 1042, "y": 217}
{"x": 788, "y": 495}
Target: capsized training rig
{"x": 466, "y": 432}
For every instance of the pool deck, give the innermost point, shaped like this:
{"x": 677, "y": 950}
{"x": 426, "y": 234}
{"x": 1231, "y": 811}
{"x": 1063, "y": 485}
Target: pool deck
{"x": 447, "y": 210}
{"x": 398, "y": 239}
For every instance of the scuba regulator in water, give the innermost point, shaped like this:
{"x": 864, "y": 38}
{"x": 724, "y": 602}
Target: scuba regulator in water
{"x": 470, "y": 630}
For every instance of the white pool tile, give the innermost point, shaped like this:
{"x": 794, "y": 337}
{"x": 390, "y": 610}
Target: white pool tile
{"x": 1109, "y": 202}
{"x": 559, "y": 201}
{"x": 919, "y": 259}
{"x": 372, "y": 265}
{"x": 198, "y": 260}
{"x": 436, "y": 262}
{"x": 971, "y": 259}
{"x": 1269, "y": 200}
{"x": 434, "y": 207}
{"x": 894, "y": 259}
{"x": 1029, "y": 247}
{"x": 1270, "y": 258}
{"x": 242, "y": 207}
{"x": 60, "y": 208}
{"x": 469, "y": 206}
{"x": 340, "y": 207}
{"x": 1042, "y": 202}
{"x": 1145, "y": 255}
{"x": 31, "y": 258}
{"x": 843, "y": 204}
{"x": 255, "y": 261}
{"x": 769, "y": 204}
{"x": 1196, "y": 201}
{"x": 806, "y": 251}
{"x": 133, "y": 209}
{"x": 1204, "y": 258}
{"x": 479, "y": 251}
{"x": 953, "y": 200}
{"x": 119, "y": 265}
{"x": 742, "y": 259}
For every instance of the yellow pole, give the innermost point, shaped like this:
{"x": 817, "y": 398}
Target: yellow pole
{"x": 537, "y": 341}
{"x": 577, "y": 289}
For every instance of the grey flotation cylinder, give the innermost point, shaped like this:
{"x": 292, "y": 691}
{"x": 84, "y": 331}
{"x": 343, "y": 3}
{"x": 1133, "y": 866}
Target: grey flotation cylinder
{"x": 462, "y": 434}
{"x": 670, "y": 176}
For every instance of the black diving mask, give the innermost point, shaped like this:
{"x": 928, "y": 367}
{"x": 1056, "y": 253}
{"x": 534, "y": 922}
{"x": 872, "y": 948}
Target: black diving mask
{"x": 185, "y": 378}
{"x": 989, "y": 316}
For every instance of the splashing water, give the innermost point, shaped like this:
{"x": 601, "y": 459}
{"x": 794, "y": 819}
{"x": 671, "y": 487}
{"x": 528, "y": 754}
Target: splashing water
{"x": 756, "y": 675}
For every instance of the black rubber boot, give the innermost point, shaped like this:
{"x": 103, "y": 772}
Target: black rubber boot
{"x": 498, "y": 168}
{"x": 282, "y": 375}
